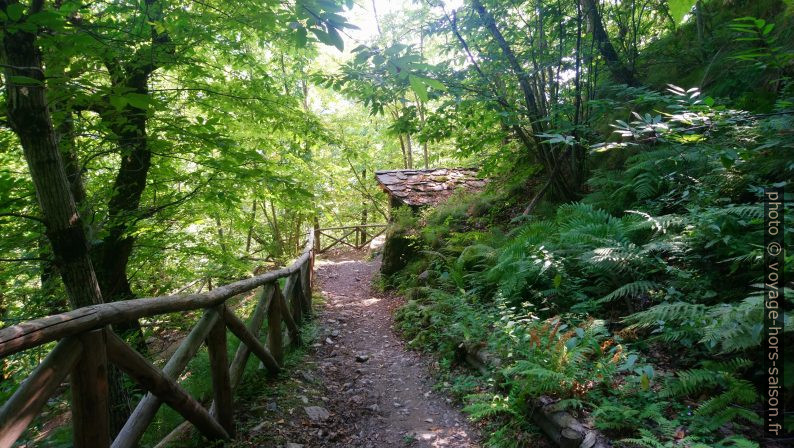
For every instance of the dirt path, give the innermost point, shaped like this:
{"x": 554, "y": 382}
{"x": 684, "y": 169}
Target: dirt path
{"x": 365, "y": 388}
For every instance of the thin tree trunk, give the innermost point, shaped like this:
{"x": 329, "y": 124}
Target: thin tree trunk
{"x": 530, "y": 102}
{"x": 578, "y": 69}
{"x": 221, "y": 236}
{"x": 580, "y": 153}
{"x": 420, "y": 107}
{"x": 377, "y": 20}
{"x": 405, "y": 155}
{"x": 251, "y": 227}
{"x": 409, "y": 151}
{"x": 419, "y": 104}
{"x": 279, "y": 245}
{"x": 364, "y": 212}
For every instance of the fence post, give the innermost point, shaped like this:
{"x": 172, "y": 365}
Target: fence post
{"x": 275, "y": 338}
{"x": 306, "y": 288}
{"x": 89, "y": 379}
{"x": 311, "y": 275}
{"x": 317, "y": 246}
{"x": 292, "y": 291}
{"x": 219, "y": 366}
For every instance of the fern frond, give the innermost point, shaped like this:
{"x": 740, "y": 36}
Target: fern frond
{"x": 664, "y": 313}
{"x": 632, "y": 289}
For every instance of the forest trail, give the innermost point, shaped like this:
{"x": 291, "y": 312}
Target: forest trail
{"x": 365, "y": 388}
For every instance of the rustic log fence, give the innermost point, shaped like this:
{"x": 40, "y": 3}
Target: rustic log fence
{"x": 87, "y": 346}
{"x": 356, "y": 237}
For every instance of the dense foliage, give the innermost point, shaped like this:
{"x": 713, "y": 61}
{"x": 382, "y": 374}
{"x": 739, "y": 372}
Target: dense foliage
{"x": 641, "y": 305}
{"x": 613, "y": 263}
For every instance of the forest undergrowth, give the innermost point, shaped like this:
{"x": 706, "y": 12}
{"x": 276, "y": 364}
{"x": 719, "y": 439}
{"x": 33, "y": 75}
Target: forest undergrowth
{"x": 638, "y": 308}
{"x": 613, "y": 264}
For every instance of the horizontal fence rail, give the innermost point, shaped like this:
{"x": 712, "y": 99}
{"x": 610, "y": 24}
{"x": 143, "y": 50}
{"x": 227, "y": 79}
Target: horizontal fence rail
{"x": 87, "y": 346}
{"x": 356, "y": 237}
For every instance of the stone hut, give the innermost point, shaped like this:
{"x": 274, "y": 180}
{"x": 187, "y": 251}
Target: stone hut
{"x": 419, "y": 188}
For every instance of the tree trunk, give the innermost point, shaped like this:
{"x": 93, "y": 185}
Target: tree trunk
{"x": 619, "y": 71}
{"x": 53, "y": 304}
{"x": 523, "y": 78}
{"x": 405, "y": 155}
{"x": 364, "y": 211}
{"x": 30, "y": 119}
{"x": 278, "y": 249}
{"x": 251, "y": 228}
{"x": 409, "y": 151}
{"x": 221, "y": 236}
{"x": 112, "y": 254}
{"x": 579, "y": 153}
{"x": 557, "y": 177}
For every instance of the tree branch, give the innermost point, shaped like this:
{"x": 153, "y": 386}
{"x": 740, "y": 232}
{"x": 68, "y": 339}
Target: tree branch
{"x": 23, "y": 259}
{"x": 154, "y": 210}
{"x": 20, "y": 215}
{"x": 364, "y": 190}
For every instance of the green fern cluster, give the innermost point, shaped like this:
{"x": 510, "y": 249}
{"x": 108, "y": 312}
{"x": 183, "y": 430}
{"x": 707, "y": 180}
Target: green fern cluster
{"x": 647, "y": 439}
{"x": 733, "y": 393}
{"x": 613, "y": 303}
{"x": 721, "y": 328}
{"x": 551, "y": 357}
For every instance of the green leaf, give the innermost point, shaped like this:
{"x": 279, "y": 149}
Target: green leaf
{"x": 362, "y": 56}
{"x": 435, "y": 84}
{"x": 15, "y": 11}
{"x": 332, "y": 37}
{"x": 679, "y": 8}
{"x": 336, "y": 39}
{"x": 301, "y": 37}
{"x": 24, "y": 80}
{"x": 645, "y": 381}
{"x": 118, "y": 102}
{"x": 48, "y": 19}
{"x": 418, "y": 86}
{"x": 138, "y": 100}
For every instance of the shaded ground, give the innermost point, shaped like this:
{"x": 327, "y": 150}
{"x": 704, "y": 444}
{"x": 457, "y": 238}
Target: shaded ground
{"x": 358, "y": 385}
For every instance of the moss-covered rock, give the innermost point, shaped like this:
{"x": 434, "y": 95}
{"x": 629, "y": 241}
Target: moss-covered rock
{"x": 398, "y": 250}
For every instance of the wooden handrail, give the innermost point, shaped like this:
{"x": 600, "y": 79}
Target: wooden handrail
{"x": 36, "y": 332}
{"x": 17, "y": 413}
{"x": 147, "y": 408}
{"x": 88, "y": 344}
{"x": 359, "y": 231}
{"x": 353, "y": 227}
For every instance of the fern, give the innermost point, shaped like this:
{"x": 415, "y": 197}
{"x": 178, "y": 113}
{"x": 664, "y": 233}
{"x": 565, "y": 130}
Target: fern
{"x": 729, "y": 405}
{"x": 722, "y": 328}
{"x": 632, "y": 289}
{"x": 648, "y": 439}
{"x": 483, "y": 406}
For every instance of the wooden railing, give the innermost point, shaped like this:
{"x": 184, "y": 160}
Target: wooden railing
{"x": 356, "y": 237}
{"x": 87, "y": 345}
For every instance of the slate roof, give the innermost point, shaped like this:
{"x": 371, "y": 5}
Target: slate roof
{"x": 428, "y": 187}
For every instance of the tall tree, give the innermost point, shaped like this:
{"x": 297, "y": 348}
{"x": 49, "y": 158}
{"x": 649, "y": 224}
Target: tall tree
{"x": 617, "y": 68}
{"x": 29, "y": 117}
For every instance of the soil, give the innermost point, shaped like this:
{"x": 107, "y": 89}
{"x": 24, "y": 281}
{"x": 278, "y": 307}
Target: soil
{"x": 358, "y": 385}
